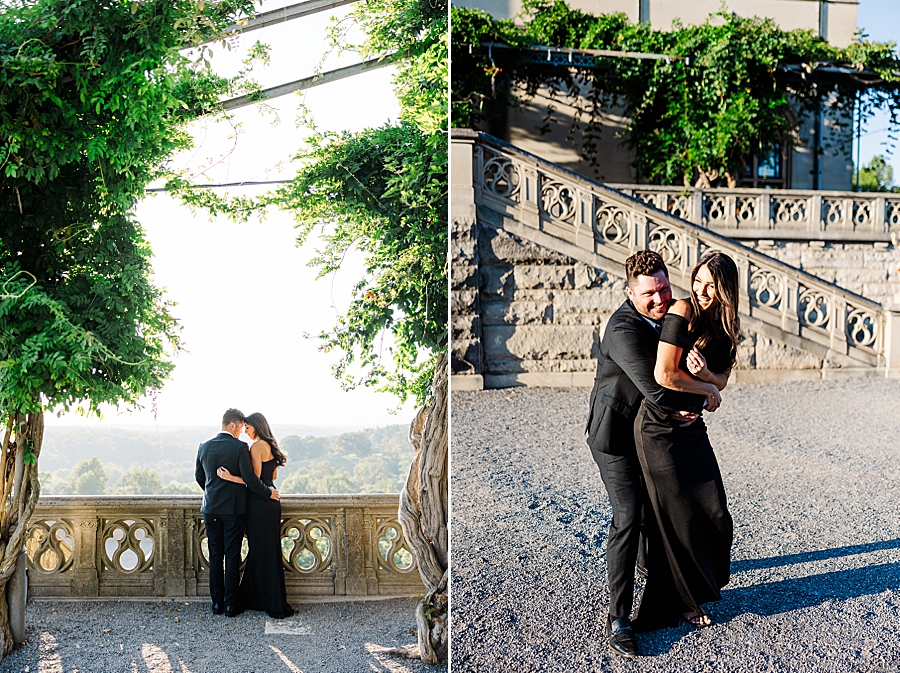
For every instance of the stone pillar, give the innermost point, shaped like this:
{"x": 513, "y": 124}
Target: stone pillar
{"x": 191, "y": 555}
{"x": 892, "y": 340}
{"x": 355, "y": 552}
{"x": 371, "y": 563}
{"x": 86, "y": 580}
{"x": 466, "y": 361}
{"x": 839, "y": 325}
{"x": 173, "y": 534}
{"x": 790, "y": 321}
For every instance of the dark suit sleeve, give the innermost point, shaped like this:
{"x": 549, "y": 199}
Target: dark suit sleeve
{"x": 253, "y": 482}
{"x": 631, "y": 352}
{"x": 200, "y": 473}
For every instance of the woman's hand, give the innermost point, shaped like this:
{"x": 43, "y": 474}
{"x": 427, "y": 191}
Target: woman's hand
{"x": 225, "y": 474}
{"x": 696, "y": 365}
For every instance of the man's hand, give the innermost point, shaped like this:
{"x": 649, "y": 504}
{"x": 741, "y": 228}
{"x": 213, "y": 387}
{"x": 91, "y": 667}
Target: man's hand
{"x": 713, "y": 398}
{"x": 274, "y": 495}
{"x": 685, "y": 418}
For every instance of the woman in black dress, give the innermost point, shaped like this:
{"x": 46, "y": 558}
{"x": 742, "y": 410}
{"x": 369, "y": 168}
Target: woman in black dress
{"x": 262, "y": 585}
{"x": 690, "y": 531}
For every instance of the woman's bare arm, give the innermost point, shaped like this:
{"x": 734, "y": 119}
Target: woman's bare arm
{"x": 669, "y": 375}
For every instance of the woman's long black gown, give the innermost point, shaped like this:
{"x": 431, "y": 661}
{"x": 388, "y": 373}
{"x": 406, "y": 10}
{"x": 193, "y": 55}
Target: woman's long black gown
{"x": 262, "y": 586}
{"x": 689, "y": 538}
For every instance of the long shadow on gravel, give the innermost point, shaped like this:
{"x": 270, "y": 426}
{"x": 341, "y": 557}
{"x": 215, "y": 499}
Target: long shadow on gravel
{"x": 806, "y": 557}
{"x": 771, "y": 598}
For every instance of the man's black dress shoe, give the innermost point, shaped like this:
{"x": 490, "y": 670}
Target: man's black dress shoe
{"x": 233, "y": 610}
{"x": 217, "y": 609}
{"x": 621, "y": 637}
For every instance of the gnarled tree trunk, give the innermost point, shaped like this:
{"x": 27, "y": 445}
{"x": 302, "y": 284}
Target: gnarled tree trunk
{"x": 19, "y": 491}
{"x": 424, "y": 510}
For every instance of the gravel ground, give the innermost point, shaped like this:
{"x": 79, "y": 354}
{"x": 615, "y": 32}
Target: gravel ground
{"x": 811, "y": 471}
{"x": 179, "y": 637}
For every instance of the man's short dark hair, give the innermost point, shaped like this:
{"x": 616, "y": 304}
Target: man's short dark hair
{"x": 232, "y": 416}
{"x": 643, "y": 263}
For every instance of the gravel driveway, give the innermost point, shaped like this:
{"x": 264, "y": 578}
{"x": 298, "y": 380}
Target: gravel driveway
{"x": 185, "y": 637}
{"x": 812, "y": 473}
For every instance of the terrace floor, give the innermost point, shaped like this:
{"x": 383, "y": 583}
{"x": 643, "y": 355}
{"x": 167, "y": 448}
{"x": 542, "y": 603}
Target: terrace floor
{"x": 183, "y": 636}
{"x": 811, "y": 471}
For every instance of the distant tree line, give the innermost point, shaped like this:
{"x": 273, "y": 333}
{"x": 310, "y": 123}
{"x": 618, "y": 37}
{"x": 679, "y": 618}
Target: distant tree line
{"x": 369, "y": 461}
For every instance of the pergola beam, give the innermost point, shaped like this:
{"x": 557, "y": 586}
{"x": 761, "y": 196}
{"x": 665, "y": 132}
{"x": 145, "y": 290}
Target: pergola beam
{"x": 309, "y": 82}
{"x": 288, "y": 13}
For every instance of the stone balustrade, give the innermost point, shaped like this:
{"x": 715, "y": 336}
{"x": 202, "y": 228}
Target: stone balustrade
{"x": 155, "y": 546}
{"x": 806, "y": 322}
{"x": 779, "y": 214}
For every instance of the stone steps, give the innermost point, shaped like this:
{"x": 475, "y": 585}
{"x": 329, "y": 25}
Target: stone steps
{"x": 538, "y": 255}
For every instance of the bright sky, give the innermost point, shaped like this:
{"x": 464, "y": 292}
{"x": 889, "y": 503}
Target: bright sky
{"x": 245, "y": 293}
{"x": 880, "y": 19}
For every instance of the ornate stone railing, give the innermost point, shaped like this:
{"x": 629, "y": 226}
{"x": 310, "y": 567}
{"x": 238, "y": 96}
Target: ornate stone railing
{"x": 333, "y": 545}
{"x": 601, "y": 226}
{"x": 784, "y": 214}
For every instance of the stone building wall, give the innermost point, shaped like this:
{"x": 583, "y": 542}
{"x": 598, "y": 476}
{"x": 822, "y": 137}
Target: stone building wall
{"x": 867, "y": 269}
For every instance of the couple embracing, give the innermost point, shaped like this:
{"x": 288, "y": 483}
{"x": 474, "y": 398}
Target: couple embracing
{"x": 661, "y": 364}
{"x": 226, "y": 470}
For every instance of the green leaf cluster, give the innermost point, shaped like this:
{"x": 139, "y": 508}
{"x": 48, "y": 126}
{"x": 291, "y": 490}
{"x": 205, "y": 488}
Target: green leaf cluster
{"x": 94, "y": 97}
{"x": 877, "y": 176}
{"x": 724, "y": 95}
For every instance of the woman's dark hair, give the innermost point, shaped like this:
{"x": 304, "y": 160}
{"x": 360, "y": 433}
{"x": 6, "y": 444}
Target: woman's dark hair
{"x": 726, "y": 322}
{"x": 261, "y": 427}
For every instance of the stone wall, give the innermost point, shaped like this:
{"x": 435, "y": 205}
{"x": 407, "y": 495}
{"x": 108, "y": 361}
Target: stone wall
{"x": 523, "y": 314}
{"x": 527, "y": 315}
{"x": 868, "y": 269}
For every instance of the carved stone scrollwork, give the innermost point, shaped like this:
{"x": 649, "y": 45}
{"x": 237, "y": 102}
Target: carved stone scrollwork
{"x": 814, "y": 307}
{"x": 790, "y": 211}
{"x": 862, "y": 327}
{"x": 668, "y": 243}
{"x": 202, "y": 543}
{"x": 746, "y": 209}
{"x": 501, "y": 177}
{"x": 716, "y": 208}
{"x": 307, "y": 545}
{"x": 651, "y": 198}
{"x": 892, "y": 214}
{"x": 393, "y": 553}
{"x": 558, "y": 200}
{"x": 677, "y": 205}
{"x": 766, "y": 288}
{"x": 49, "y": 545}
{"x": 128, "y": 545}
{"x": 613, "y": 224}
{"x": 832, "y": 212}
{"x": 862, "y": 214}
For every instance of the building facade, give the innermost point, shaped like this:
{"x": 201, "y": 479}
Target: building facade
{"x": 784, "y": 167}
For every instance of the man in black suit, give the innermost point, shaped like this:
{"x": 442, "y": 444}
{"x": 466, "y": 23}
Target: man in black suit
{"x": 225, "y": 508}
{"x": 624, "y": 377}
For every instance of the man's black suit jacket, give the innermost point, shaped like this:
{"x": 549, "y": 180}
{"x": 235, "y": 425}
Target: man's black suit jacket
{"x": 625, "y": 377}
{"x": 226, "y": 497}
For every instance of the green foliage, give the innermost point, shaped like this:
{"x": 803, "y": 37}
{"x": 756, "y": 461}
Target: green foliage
{"x": 877, "y": 176}
{"x": 93, "y": 100}
{"x": 139, "y": 481}
{"x": 375, "y": 460}
{"x": 383, "y": 192}
{"x": 725, "y": 97}
{"x": 88, "y": 478}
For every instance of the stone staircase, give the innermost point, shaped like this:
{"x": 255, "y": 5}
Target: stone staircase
{"x": 538, "y": 256}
